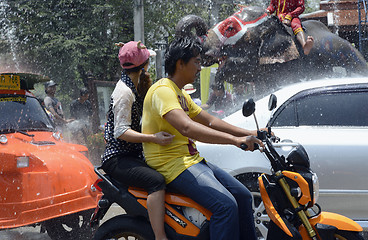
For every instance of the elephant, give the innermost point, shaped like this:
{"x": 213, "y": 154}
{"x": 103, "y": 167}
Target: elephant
{"x": 252, "y": 46}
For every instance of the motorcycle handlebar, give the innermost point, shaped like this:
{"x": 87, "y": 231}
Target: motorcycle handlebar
{"x": 245, "y": 146}
{"x": 271, "y": 143}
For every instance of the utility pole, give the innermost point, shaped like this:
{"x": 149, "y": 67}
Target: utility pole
{"x": 138, "y": 21}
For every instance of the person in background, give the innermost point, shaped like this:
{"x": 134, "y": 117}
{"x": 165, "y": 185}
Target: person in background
{"x": 81, "y": 110}
{"x": 53, "y": 105}
{"x": 123, "y": 158}
{"x": 168, "y": 107}
{"x": 220, "y": 99}
{"x": 189, "y": 88}
{"x": 81, "y": 107}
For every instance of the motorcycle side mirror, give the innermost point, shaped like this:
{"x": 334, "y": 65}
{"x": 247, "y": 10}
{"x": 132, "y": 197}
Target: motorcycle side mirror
{"x": 249, "y": 107}
{"x": 272, "y": 102}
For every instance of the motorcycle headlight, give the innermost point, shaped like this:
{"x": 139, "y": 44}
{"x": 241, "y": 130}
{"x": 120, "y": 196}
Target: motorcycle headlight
{"x": 315, "y": 188}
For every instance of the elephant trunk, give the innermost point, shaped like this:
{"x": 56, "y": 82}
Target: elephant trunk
{"x": 185, "y": 27}
{"x": 187, "y": 23}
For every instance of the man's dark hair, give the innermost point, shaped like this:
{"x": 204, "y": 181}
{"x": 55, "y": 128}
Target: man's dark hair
{"x": 183, "y": 48}
{"x": 83, "y": 91}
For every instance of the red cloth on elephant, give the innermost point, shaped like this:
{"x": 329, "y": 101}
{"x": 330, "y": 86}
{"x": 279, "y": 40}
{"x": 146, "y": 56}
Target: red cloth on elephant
{"x": 288, "y": 9}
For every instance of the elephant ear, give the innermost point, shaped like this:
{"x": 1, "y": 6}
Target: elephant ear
{"x": 277, "y": 45}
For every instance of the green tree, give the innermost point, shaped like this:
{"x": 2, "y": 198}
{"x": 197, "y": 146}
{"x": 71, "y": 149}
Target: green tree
{"x": 70, "y": 39}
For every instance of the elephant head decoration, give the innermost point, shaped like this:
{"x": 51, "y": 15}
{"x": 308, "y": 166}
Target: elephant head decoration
{"x": 251, "y": 46}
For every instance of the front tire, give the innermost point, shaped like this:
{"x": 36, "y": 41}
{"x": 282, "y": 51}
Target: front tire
{"x": 261, "y": 219}
{"x": 125, "y": 227}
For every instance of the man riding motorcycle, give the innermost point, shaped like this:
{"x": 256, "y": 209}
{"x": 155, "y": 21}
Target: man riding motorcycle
{"x": 169, "y": 108}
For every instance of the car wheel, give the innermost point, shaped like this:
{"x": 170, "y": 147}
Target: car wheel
{"x": 261, "y": 219}
{"x": 73, "y": 226}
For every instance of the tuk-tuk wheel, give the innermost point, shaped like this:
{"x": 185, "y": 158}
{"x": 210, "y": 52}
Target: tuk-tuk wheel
{"x": 73, "y": 226}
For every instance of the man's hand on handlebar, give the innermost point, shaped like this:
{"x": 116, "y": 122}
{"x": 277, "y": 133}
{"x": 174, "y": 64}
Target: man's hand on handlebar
{"x": 249, "y": 143}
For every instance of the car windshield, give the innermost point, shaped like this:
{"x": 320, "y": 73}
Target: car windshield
{"x": 22, "y": 113}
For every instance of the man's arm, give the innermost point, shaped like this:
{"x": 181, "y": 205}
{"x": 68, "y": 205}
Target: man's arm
{"x": 215, "y": 123}
{"x": 198, "y": 131}
{"x": 48, "y": 105}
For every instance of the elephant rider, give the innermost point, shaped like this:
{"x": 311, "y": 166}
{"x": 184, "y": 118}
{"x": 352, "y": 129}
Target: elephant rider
{"x": 288, "y": 12}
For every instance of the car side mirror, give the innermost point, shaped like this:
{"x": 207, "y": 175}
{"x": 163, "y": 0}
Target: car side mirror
{"x": 249, "y": 107}
{"x": 272, "y": 102}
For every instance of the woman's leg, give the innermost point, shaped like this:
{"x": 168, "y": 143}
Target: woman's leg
{"x": 156, "y": 213}
{"x": 135, "y": 172}
{"x": 199, "y": 183}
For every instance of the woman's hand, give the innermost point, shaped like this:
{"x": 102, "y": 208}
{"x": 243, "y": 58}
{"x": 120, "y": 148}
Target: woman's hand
{"x": 163, "y": 138}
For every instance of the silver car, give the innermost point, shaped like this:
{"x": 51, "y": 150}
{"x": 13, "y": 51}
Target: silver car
{"x": 330, "y": 119}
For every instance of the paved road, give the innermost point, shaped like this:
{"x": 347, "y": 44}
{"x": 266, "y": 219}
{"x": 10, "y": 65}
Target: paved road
{"x": 33, "y": 233}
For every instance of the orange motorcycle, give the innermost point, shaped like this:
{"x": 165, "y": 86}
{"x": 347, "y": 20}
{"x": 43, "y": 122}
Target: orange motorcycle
{"x": 184, "y": 218}
{"x": 290, "y": 194}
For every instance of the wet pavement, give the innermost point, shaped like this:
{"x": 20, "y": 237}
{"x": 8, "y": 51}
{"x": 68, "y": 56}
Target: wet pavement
{"x": 33, "y": 233}
{"x": 24, "y": 233}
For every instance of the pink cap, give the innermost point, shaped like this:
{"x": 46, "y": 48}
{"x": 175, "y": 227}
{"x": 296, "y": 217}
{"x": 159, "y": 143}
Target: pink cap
{"x": 133, "y": 54}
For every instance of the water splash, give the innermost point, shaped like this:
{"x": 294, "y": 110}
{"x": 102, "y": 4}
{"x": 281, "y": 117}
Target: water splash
{"x": 9, "y": 38}
{"x": 336, "y": 16}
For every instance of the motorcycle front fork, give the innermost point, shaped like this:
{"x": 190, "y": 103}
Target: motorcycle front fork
{"x": 301, "y": 213}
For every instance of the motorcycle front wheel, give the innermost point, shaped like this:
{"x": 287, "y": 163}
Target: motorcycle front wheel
{"x": 124, "y": 227}
{"x": 261, "y": 219}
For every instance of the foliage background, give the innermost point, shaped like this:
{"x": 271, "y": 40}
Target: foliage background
{"x": 72, "y": 40}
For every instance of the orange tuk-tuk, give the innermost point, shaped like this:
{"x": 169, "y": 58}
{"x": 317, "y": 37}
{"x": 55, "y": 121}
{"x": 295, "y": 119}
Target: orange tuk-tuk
{"x": 43, "y": 180}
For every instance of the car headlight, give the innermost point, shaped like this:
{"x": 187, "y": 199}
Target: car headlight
{"x": 315, "y": 182}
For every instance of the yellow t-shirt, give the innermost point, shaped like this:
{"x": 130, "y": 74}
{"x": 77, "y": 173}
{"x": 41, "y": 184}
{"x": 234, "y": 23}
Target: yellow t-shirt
{"x": 170, "y": 160}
